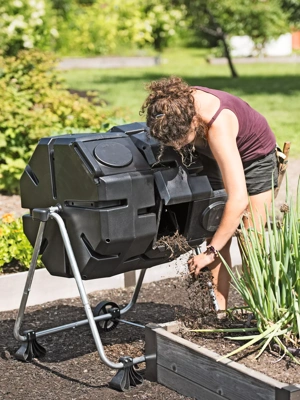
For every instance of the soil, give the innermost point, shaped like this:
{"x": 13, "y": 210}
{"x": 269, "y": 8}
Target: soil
{"x": 270, "y": 363}
{"x": 71, "y": 368}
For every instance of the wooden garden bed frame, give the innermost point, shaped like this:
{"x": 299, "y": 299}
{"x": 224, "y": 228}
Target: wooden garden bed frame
{"x": 193, "y": 371}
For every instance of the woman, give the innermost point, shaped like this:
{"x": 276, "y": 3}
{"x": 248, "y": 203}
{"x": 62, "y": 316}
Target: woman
{"x": 237, "y": 148}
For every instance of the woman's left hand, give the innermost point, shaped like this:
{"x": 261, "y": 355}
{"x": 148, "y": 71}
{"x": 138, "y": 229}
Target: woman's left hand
{"x": 197, "y": 263}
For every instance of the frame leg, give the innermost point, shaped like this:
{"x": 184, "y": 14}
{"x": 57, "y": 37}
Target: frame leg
{"x": 84, "y": 297}
{"x": 135, "y": 293}
{"x": 30, "y": 347}
{"x": 28, "y": 283}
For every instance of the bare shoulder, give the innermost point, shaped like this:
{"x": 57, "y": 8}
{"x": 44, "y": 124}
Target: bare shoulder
{"x": 226, "y": 124}
{"x": 206, "y": 104}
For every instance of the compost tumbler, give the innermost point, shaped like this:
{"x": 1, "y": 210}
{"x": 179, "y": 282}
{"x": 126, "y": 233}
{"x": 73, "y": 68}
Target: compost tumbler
{"x": 98, "y": 205}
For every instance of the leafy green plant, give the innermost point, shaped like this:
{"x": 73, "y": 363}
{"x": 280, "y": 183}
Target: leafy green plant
{"x": 14, "y": 246}
{"x": 270, "y": 279}
{"x": 34, "y": 103}
{"x": 101, "y": 27}
{"x": 107, "y": 27}
{"x": 165, "y": 21}
{"x": 26, "y": 24}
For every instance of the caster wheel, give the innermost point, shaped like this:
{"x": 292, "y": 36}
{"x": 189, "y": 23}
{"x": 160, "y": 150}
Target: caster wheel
{"x": 107, "y": 307}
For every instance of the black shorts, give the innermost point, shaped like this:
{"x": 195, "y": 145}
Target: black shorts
{"x": 258, "y": 173}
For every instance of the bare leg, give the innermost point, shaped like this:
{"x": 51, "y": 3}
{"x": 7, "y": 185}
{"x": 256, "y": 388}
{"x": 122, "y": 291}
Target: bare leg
{"x": 258, "y": 203}
{"x": 221, "y": 277}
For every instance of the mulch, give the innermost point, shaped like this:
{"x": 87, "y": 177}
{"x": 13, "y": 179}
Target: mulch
{"x": 71, "y": 368}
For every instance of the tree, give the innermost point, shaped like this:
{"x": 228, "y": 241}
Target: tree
{"x": 292, "y": 8}
{"x": 163, "y": 20}
{"x": 262, "y": 20}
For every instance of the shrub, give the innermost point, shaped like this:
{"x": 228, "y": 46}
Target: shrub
{"x": 87, "y": 27}
{"x": 101, "y": 27}
{"x": 165, "y": 22}
{"x": 13, "y": 243}
{"x": 26, "y": 24}
{"x": 34, "y": 103}
{"x": 104, "y": 27}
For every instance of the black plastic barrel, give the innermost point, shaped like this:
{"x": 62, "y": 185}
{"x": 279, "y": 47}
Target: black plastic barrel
{"x": 116, "y": 199}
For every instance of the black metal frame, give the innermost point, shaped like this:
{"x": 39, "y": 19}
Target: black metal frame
{"x": 127, "y": 375}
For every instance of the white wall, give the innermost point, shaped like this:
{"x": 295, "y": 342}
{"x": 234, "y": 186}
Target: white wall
{"x": 243, "y": 46}
{"x": 46, "y": 287}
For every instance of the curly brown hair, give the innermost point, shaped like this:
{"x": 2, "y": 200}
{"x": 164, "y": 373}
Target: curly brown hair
{"x": 170, "y": 110}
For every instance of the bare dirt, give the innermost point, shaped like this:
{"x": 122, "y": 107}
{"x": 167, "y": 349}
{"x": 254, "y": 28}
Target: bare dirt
{"x": 71, "y": 368}
{"x": 270, "y": 363}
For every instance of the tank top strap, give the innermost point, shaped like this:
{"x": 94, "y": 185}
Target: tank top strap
{"x": 215, "y": 116}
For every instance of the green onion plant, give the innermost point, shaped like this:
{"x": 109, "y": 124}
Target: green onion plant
{"x": 269, "y": 282}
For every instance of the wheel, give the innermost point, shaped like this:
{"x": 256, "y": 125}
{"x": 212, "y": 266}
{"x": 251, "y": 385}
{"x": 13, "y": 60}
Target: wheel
{"x": 107, "y": 307}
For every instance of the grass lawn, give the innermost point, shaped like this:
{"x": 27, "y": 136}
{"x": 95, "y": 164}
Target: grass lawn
{"x": 272, "y": 89}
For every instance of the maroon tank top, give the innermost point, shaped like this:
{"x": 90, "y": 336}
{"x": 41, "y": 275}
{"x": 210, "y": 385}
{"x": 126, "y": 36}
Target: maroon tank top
{"x": 255, "y": 138}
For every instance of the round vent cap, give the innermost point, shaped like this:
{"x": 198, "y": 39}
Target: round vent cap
{"x": 211, "y": 216}
{"x": 113, "y": 154}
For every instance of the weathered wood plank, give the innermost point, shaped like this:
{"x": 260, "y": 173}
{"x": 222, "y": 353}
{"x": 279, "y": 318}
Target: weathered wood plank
{"x": 150, "y": 352}
{"x": 289, "y": 392}
{"x": 193, "y": 371}
{"x": 293, "y": 390}
{"x": 185, "y": 386}
{"x": 295, "y": 394}
{"x": 227, "y": 378}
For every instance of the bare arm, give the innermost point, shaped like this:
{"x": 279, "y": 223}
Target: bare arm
{"x": 222, "y": 142}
